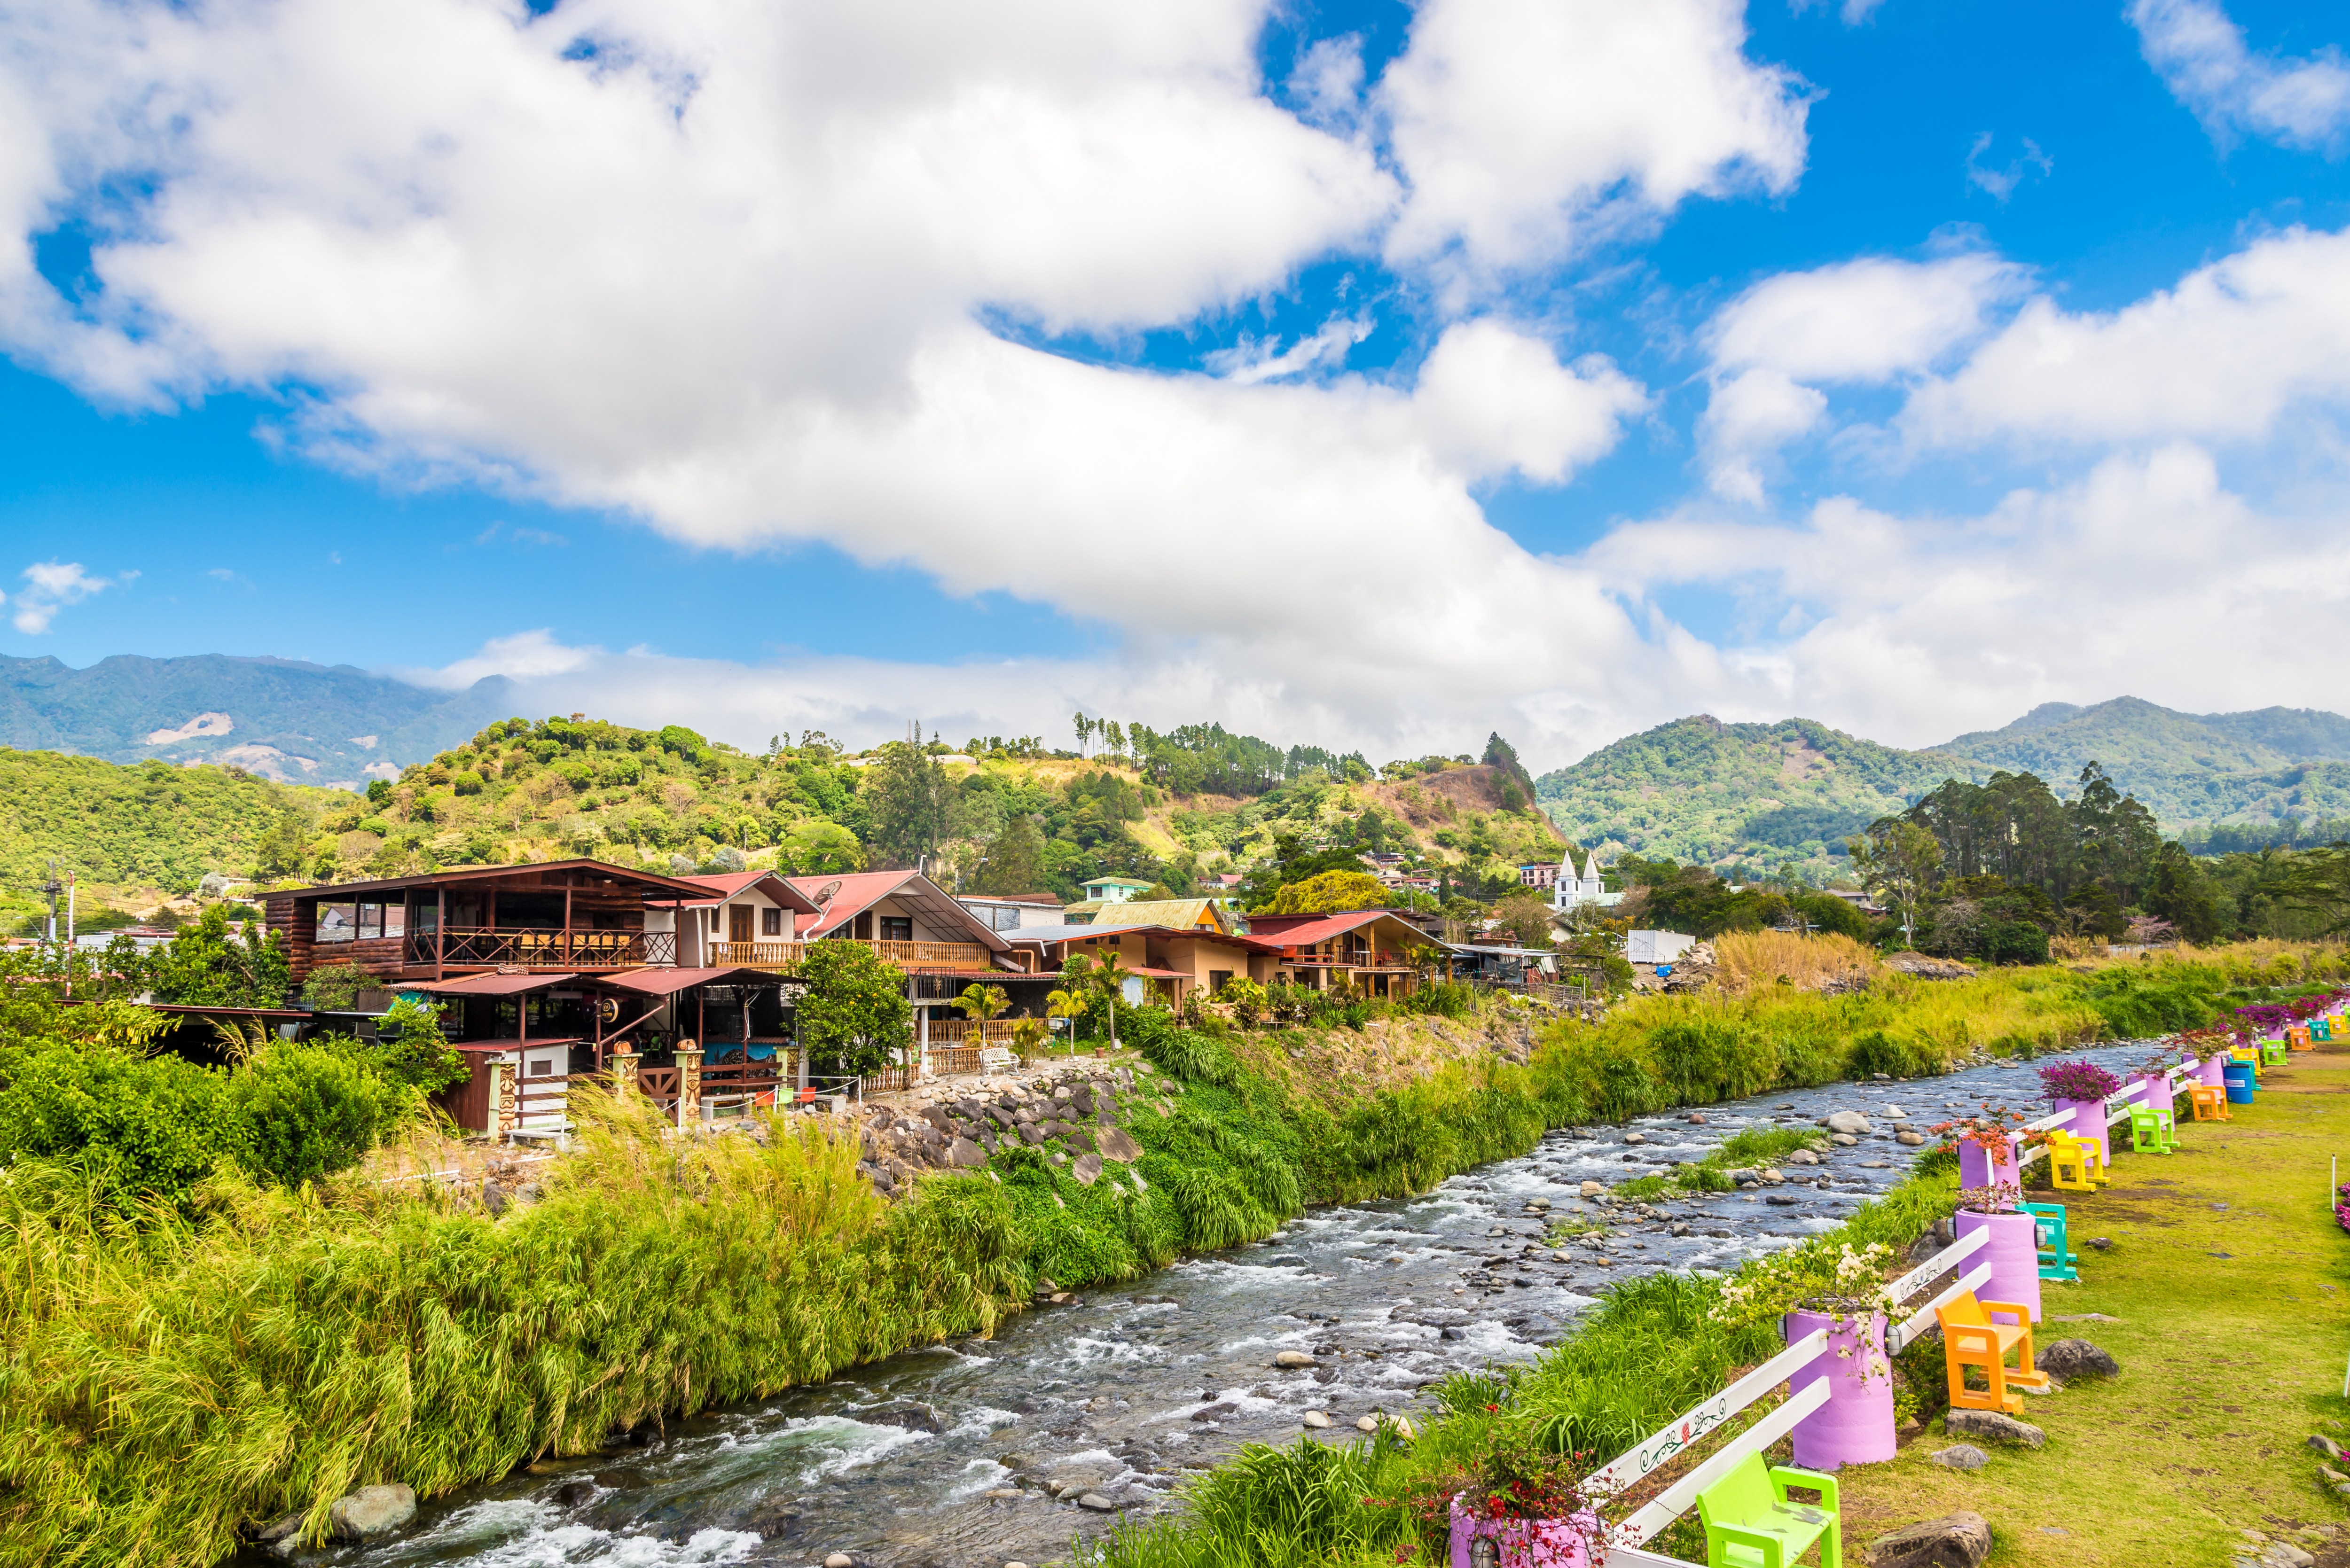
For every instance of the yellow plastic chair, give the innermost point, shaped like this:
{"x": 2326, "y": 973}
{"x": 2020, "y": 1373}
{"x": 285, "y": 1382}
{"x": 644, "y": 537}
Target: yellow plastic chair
{"x": 2072, "y": 1165}
{"x": 1972, "y": 1337}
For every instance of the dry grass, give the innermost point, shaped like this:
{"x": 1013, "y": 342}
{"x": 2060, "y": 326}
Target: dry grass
{"x": 1747, "y": 959}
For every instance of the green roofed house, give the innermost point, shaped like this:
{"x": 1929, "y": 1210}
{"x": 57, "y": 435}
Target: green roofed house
{"x": 1113, "y": 889}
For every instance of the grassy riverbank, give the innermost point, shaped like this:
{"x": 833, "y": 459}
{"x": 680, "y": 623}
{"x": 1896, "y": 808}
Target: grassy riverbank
{"x": 176, "y": 1378}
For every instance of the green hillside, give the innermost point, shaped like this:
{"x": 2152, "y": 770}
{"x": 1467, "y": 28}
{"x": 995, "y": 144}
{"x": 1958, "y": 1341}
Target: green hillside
{"x": 1701, "y": 790}
{"x": 1757, "y": 795}
{"x": 150, "y": 826}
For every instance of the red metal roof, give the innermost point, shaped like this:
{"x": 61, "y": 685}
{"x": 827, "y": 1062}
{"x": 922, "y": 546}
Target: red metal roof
{"x": 670, "y": 981}
{"x": 488, "y": 984}
{"x": 727, "y": 884}
{"x": 849, "y": 893}
{"x": 1326, "y": 927}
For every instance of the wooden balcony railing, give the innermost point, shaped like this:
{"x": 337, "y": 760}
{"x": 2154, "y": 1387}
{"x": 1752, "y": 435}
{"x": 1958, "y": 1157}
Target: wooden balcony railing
{"x": 962, "y": 1032}
{"x": 787, "y": 955}
{"x": 482, "y": 947}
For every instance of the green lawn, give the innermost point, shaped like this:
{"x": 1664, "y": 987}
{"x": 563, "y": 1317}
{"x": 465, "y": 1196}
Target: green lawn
{"x": 2232, "y": 1283}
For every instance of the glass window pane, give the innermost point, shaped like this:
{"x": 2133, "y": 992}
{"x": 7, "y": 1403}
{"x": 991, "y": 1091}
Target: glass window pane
{"x": 337, "y": 922}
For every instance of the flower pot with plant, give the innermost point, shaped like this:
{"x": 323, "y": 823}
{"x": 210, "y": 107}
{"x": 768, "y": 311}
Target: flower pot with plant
{"x": 2079, "y": 1089}
{"x": 1825, "y": 1284}
{"x": 1986, "y": 1145}
{"x": 1521, "y": 1506}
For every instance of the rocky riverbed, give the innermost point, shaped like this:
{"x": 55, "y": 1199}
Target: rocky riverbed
{"x": 1079, "y": 1414}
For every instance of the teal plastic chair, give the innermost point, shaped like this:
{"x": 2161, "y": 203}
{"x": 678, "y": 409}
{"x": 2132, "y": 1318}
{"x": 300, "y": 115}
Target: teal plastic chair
{"x": 1749, "y": 1523}
{"x": 2048, "y": 1229}
{"x": 2147, "y": 1135}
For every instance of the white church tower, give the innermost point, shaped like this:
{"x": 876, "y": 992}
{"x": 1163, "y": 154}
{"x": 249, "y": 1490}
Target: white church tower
{"x": 1578, "y": 886}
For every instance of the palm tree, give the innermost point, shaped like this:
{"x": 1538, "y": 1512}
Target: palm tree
{"x": 981, "y": 1004}
{"x": 1108, "y": 978}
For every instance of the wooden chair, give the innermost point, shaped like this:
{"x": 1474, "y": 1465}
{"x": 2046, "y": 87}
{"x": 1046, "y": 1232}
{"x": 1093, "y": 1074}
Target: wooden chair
{"x": 2211, "y": 1104}
{"x": 1971, "y": 1337}
{"x": 1749, "y": 1523}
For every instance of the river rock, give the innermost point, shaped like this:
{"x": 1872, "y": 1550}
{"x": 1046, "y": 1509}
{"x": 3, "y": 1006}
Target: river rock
{"x": 1636, "y": 1137}
{"x": 1842, "y": 1140}
{"x": 1803, "y": 1157}
{"x": 1117, "y": 1144}
{"x": 1032, "y": 1135}
{"x": 2071, "y": 1358}
{"x": 907, "y": 1415}
{"x": 1294, "y": 1358}
{"x": 1367, "y": 1423}
{"x": 1093, "y": 1501}
{"x": 1851, "y": 1123}
{"x": 1954, "y": 1540}
{"x": 1087, "y": 1168}
{"x": 370, "y": 1513}
{"x": 1961, "y": 1457}
{"x": 1908, "y": 1139}
{"x": 1590, "y": 1189}
{"x": 966, "y": 1154}
{"x": 1996, "y": 1426}
{"x": 1315, "y": 1420}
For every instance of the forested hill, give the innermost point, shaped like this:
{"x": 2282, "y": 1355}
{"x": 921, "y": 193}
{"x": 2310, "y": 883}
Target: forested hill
{"x": 1760, "y": 795}
{"x": 279, "y": 718}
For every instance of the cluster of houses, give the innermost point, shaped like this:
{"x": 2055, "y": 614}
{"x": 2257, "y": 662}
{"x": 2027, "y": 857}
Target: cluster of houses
{"x": 686, "y": 985}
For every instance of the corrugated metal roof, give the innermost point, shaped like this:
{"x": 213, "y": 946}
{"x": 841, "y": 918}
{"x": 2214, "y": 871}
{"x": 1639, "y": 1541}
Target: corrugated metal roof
{"x": 488, "y": 984}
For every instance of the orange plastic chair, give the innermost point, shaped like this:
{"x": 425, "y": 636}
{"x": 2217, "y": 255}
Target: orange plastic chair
{"x": 1971, "y": 1337}
{"x": 2211, "y": 1104}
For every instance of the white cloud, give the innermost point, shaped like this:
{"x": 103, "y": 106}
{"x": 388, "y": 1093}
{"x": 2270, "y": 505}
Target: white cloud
{"x": 1923, "y": 627}
{"x": 1863, "y": 322}
{"x": 2222, "y": 357}
{"x": 1252, "y": 361}
{"x": 526, "y": 656}
{"x": 2001, "y": 183}
{"x": 1524, "y": 126}
{"x": 50, "y": 586}
{"x": 2202, "y": 57}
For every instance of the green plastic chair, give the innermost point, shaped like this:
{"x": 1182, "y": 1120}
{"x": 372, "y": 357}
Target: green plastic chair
{"x": 2147, "y": 1134}
{"x": 2272, "y": 1053}
{"x": 2048, "y": 1231}
{"x": 1749, "y": 1523}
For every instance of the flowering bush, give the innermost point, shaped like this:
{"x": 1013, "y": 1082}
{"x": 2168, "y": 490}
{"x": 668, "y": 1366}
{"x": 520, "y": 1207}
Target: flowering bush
{"x": 1513, "y": 1480}
{"x": 1820, "y": 1275}
{"x": 2342, "y": 1205}
{"x": 2082, "y": 1080}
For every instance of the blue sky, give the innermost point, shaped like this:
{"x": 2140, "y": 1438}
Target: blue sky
{"x": 982, "y": 429}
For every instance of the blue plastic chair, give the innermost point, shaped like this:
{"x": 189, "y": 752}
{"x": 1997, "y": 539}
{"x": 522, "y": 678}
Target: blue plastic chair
{"x": 2048, "y": 1231}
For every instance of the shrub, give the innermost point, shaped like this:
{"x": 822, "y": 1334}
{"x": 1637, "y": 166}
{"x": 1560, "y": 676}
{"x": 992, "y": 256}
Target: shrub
{"x": 335, "y": 987}
{"x": 311, "y": 1110}
{"x": 1446, "y": 998}
{"x": 134, "y": 1125}
{"x": 413, "y": 1049}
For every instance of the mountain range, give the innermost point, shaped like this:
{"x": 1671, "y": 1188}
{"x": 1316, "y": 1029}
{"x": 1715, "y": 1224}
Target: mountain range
{"x": 1699, "y": 790}
{"x": 277, "y": 718}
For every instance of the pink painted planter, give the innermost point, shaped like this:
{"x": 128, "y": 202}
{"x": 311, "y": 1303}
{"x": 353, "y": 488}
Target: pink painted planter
{"x": 1856, "y": 1426}
{"x": 2211, "y": 1072}
{"x": 2013, "y": 1254}
{"x": 1520, "y": 1542}
{"x": 1975, "y": 1165}
{"x": 2088, "y": 1122}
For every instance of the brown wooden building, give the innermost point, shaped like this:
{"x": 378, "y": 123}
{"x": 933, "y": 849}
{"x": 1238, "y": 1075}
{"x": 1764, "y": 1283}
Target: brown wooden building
{"x": 566, "y": 916}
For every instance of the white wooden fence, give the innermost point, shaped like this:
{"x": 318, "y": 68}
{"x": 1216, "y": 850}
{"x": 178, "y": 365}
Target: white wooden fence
{"x": 1711, "y": 1413}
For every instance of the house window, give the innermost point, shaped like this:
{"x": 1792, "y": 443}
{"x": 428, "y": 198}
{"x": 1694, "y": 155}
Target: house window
{"x": 771, "y": 922}
{"x": 1004, "y": 918}
{"x": 1217, "y": 979}
{"x": 337, "y": 922}
{"x": 897, "y": 929}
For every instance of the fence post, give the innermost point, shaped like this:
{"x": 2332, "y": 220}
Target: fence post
{"x": 689, "y": 1084}
{"x": 506, "y": 1112}
{"x": 624, "y": 1074}
{"x": 1856, "y": 1426}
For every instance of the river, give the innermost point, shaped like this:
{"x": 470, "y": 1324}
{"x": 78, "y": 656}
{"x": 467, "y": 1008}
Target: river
{"x": 1118, "y": 1394}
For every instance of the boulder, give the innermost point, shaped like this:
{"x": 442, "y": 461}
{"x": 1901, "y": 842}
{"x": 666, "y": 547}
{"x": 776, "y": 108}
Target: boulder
{"x": 1851, "y": 1122}
{"x": 1842, "y": 1140}
{"x": 2326, "y": 1445}
{"x": 966, "y": 1154}
{"x": 2071, "y": 1358}
{"x": 840, "y": 1560}
{"x": 1994, "y": 1425}
{"x": 1961, "y": 1457}
{"x": 1803, "y": 1157}
{"x": 1315, "y": 1420}
{"x": 1094, "y": 1502}
{"x": 370, "y": 1513}
{"x": 1087, "y": 1168}
{"x": 907, "y": 1415}
{"x": 1636, "y": 1137}
{"x": 1294, "y": 1358}
{"x": 1116, "y": 1145}
{"x": 1908, "y": 1139}
{"x": 1954, "y": 1540}
{"x": 1590, "y": 1189}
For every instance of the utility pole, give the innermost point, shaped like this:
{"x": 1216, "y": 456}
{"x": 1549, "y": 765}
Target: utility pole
{"x": 52, "y": 887}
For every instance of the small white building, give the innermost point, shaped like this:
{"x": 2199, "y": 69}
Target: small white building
{"x": 1009, "y": 911}
{"x": 1656, "y": 947}
{"x": 1577, "y": 887}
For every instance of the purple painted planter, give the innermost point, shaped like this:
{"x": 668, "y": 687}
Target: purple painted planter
{"x": 2211, "y": 1073}
{"x": 1975, "y": 1166}
{"x": 1856, "y": 1426}
{"x": 1520, "y": 1542}
{"x": 2013, "y": 1254}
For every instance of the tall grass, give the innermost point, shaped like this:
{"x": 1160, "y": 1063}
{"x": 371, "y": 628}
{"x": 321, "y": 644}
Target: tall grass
{"x": 1747, "y": 961}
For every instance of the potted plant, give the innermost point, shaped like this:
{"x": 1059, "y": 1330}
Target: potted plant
{"x": 1520, "y": 1507}
{"x": 1828, "y": 1284}
{"x": 2077, "y": 1086}
{"x": 1986, "y": 1145}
